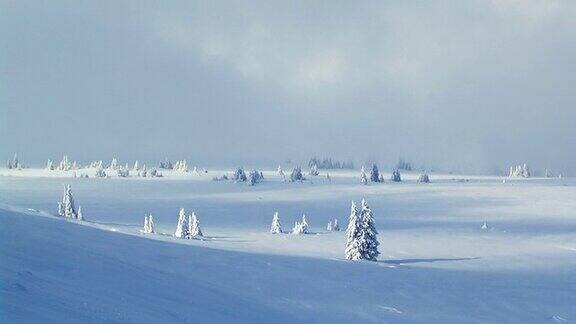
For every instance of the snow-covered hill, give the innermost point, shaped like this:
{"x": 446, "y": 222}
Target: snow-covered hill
{"x": 437, "y": 264}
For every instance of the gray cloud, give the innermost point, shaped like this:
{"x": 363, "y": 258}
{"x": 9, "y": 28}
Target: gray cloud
{"x": 472, "y": 85}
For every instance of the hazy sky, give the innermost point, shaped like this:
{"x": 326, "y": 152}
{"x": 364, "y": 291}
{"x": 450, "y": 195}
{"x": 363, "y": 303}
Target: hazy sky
{"x": 469, "y": 85}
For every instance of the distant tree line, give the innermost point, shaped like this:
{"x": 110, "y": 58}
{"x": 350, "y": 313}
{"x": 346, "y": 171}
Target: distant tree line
{"x": 328, "y": 163}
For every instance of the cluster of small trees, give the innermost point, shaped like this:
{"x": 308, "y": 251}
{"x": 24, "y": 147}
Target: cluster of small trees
{"x": 14, "y": 163}
{"x": 327, "y": 163}
{"x": 519, "y": 171}
{"x": 66, "y": 206}
{"x": 404, "y": 165}
{"x": 297, "y": 175}
{"x": 376, "y": 176}
{"x": 361, "y": 234}
{"x": 255, "y": 176}
{"x": 188, "y": 227}
{"x": 181, "y": 166}
{"x": 148, "y": 224}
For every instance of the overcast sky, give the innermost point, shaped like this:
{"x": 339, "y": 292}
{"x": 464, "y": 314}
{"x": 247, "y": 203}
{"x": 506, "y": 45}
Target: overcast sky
{"x": 462, "y": 85}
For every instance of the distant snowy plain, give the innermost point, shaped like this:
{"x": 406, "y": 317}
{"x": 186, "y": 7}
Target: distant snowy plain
{"x": 436, "y": 265}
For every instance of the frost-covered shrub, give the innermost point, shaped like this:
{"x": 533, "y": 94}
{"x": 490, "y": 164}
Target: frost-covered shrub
{"x": 396, "y": 176}
{"x": 297, "y": 175}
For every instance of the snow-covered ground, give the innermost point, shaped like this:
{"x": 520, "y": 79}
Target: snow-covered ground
{"x": 437, "y": 263}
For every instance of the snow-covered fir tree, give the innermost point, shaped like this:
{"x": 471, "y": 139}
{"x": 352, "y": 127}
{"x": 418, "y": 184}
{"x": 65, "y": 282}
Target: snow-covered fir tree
{"x": 80, "y": 216}
{"x": 136, "y": 168}
{"x": 297, "y": 175}
{"x": 254, "y": 177}
{"x": 374, "y": 173}
{"x": 182, "y": 225}
{"x": 100, "y": 173}
{"x": 329, "y": 226}
{"x": 60, "y": 209}
{"x": 519, "y": 171}
{"x": 314, "y": 170}
{"x": 363, "y": 176}
{"x": 49, "y": 165}
{"x": 181, "y": 166}
{"x": 194, "y": 226}
{"x": 368, "y": 234}
{"x": 240, "y": 175}
{"x": 281, "y": 173}
{"x": 335, "y": 226}
{"x": 113, "y": 164}
{"x": 396, "y": 176}
{"x": 64, "y": 165}
{"x": 123, "y": 173}
{"x": 276, "y": 227}
{"x": 547, "y": 174}
{"x": 151, "y": 224}
{"x": 352, "y": 251}
{"x": 67, "y": 205}
{"x": 304, "y": 225}
{"x": 145, "y": 230}
{"x": 298, "y": 228}
{"x": 424, "y": 178}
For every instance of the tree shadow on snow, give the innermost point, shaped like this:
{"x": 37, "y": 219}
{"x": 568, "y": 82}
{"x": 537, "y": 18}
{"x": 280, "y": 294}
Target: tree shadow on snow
{"x": 409, "y": 261}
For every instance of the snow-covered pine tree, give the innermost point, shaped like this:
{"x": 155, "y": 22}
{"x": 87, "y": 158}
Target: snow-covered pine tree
{"x": 396, "y": 176}
{"x": 297, "y": 229}
{"x": 240, "y": 175}
{"x": 136, "y": 168}
{"x": 304, "y": 225}
{"x": 314, "y": 170}
{"x": 374, "y": 174}
{"x": 368, "y": 234}
{"x": 276, "y": 227}
{"x": 145, "y": 230}
{"x": 254, "y": 177}
{"x": 424, "y": 178}
{"x": 381, "y": 178}
{"x": 525, "y": 171}
{"x": 80, "y": 216}
{"x": 151, "y": 229}
{"x": 547, "y": 174}
{"x": 114, "y": 164}
{"x": 363, "y": 176}
{"x": 69, "y": 210}
{"x": 329, "y": 226}
{"x": 352, "y": 251}
{"x": 335, "y": 226}
{"x": 49, "y": 165}
{"x": 60, "y": 209}
{"x": 194, "y": 226}
{"x": 297, "y": 175}
{"x": 182, "y": 226}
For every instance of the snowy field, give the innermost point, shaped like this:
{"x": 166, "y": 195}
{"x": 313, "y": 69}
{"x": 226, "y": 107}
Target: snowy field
{"x": 437, "y": 263}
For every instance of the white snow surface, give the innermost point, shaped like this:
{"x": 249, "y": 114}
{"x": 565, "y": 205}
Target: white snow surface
{"x": 436, "y": 265}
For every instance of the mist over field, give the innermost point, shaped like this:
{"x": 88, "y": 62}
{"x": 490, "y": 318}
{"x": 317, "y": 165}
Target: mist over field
{"x": 471, "y": 86}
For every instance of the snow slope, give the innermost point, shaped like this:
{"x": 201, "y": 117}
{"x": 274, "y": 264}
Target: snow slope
{"x": 437, "y": 265}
